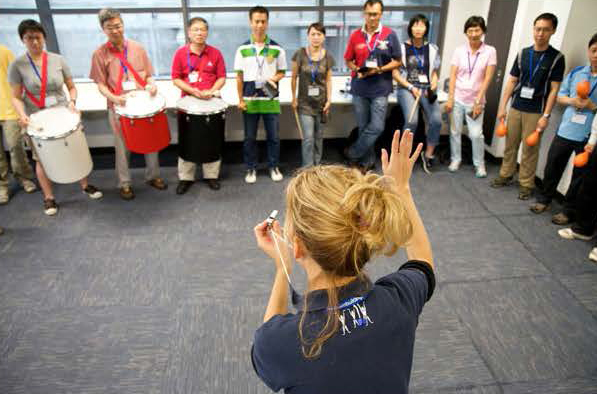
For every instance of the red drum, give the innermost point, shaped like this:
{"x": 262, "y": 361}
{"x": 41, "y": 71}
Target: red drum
{"x": 144, "y": 122}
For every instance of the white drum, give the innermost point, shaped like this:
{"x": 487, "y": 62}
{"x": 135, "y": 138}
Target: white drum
{"x": 57, "y": 137}
{"x": 141, "y": 104}
{"x": 194, "y": 106}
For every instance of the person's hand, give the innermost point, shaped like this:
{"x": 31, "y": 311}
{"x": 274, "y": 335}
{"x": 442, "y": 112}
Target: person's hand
{"x": 370, "y": 72}
{"x": 205, "y": 94}
{"x": 449, "y": 105}
{"x": 589, "y": 148}
{"x": 120, "y": 100}
{"x": 326, "y": 107}
{"x": 266, "y": 242}
{"x": 72, "y": 107}
{"x": 477, "y": 110}
{"x": 433, "y": 86}
{"x": 542, "y": 123}
{"x": 399, "y": 164}
{"x": 242, "y": 105}
{"x": 153, "y": 90}
{"x": 273, "y": 82}
{"x": 416, "y": 92}
{"x": 501, "y": 115}
{"x": 196, "y": 93}
{"x": 23, "y": 121}
{"x": 294, "y": 103}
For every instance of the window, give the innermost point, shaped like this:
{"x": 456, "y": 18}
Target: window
{"x": 20, "y": 4}
{"x": 250, "y": 3}
{"x": 227, "y": 30}
{"x": 61, "y": 4}
{"x": 160, "y": 34}
{"x": 386, "y": 3}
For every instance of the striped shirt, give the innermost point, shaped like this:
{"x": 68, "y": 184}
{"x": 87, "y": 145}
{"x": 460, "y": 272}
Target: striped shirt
{"x": 259, "y": 63}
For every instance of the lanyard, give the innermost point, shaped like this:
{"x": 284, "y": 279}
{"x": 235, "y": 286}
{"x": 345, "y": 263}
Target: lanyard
{"x": 532, "y": 70}
{"x": 313, "y": 68}
{"x": 470, "y": 69}
{"x": 125, "y": 65}
{"x": 420, "y": 58}
{"x": 41, "y": 103}
{"x": 264, "y": 52}
{"x": 372, "y": 48}
{"x": 201, "y": 64}
{"x": 126, "y": 51}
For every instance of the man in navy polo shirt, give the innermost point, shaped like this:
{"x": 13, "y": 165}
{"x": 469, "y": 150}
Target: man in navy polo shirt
{"x": 373, "y": 51}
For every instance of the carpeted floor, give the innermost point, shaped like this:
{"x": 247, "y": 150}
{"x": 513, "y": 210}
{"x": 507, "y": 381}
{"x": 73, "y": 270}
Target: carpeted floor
{"x": 163, "y": 294}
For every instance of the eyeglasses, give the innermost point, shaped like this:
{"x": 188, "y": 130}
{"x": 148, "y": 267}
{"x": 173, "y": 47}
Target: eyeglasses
{"x": 113, "y": 27}
{"x": 33, "y": 38}
{"x": 372, "y": 14}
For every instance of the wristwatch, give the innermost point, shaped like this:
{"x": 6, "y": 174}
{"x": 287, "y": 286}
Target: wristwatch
{"x": 546, "y": 116}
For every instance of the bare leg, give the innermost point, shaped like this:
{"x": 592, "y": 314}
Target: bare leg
{"x": 45, "y": 183}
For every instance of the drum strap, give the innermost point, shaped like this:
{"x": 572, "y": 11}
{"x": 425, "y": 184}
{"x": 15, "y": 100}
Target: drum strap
{"x": 126, "y": 64}
{"x": 41, "y": 103}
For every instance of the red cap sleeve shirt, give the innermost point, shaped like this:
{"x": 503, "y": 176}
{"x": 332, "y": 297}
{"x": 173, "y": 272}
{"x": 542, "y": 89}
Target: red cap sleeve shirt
{"x": 210, "y": 66}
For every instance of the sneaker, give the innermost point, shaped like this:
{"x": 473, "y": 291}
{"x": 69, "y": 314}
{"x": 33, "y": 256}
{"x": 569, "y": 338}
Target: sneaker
{"x": 593, "y": 254}
{"x": 427, "y": 163}
{"x": 158, "y": 183}
{"x": 50, "y": 207}
{"x": 4, "y": 196}
{"x": 568, "y": 233}
{"x": 561, "y": 219}
{"x": 126, "y": 193}
{"x": 93, "y": 192}
{"x": 251, "y": 176}
{"x": 454, "y": 166}
{"x": 539, "y": 207}
{"x": 28, "y": 185}
{"x": 524, "y": 193}
{"x": 480, "y": 171}
{"x": 276, "y": 174}
{"x": 500, "y": 181}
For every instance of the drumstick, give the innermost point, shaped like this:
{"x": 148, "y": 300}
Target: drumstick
{"x": 298, "y": 123}
{"x": 412, "y": 111}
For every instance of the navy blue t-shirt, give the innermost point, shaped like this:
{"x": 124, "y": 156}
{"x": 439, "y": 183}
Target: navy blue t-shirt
{"x": 548, "y": 66}
{"x": 371, "y": 352}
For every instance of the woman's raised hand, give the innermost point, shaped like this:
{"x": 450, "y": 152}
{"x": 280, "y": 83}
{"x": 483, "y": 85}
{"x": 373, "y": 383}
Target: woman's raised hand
{"x": 399, "y": 163}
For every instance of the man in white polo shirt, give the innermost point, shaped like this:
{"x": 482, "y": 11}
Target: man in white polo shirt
{"x": 260, "y": 63}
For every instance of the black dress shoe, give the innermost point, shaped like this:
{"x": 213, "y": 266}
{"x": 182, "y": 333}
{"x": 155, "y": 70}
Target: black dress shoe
{"x": 213, "y": 184}
{"x": 183, "y": 187}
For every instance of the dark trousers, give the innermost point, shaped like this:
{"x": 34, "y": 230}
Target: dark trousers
{"x": 271, "y": 123}
{"x": 586, "y": 199}
{"x": 557, "y": 159}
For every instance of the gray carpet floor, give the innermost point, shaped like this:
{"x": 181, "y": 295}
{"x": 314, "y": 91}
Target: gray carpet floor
{"x": 163, "y": 294}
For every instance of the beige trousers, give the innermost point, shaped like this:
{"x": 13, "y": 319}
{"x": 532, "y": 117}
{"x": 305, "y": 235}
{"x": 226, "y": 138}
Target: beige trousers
{"x": 186, "y": 170}
{"x": 21, "y": 168}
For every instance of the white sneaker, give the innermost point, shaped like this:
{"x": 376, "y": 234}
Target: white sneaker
{"x": 28, "y": 185}
{"x": 454, "y": 166}
{"x": 480, "y": 172}
{"x": 276, "y": 174}
{"x": 4, "y": 197}
{"x": 251, "y": 176}
{"x": 93, "y": 192}
{"x": 567, "y": 233}
{"x": 593, "y": 254}
{"x": 50, "y": 207}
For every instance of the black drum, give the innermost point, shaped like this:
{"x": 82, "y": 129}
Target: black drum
{"x": 201, "y": 127}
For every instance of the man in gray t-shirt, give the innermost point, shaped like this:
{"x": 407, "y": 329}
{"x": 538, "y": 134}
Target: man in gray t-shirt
{"x": 21, "y": 72}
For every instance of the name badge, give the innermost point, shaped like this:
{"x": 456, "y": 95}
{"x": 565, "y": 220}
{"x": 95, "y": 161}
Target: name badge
{"x": 579, "y": 118}
{"x": 423, "y": 78}
{"x": 128, "y": 85}
{"x": 467, "y": 84}
{"x": 371, "y": 63}
{"x": 51, "y": 100}
{"x": 527, "y": 92}
{"x": 193, "y": 77}
{"x": 313, "y": 91}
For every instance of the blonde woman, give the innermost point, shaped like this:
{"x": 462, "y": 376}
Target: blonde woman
{"x": 343, "y": 316}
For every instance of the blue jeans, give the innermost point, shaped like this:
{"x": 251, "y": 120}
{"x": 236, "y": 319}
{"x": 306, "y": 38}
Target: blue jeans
{"x": 371, "y": 119}
{"x": 312, "y": 144}
{"x": 475, "y": 133}
{"x": 432, "y": 112}
{"x": 271, "y": 123}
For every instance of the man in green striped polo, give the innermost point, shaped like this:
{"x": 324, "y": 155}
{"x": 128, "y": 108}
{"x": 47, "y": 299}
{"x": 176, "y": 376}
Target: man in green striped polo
{"x": 258, "y": 62}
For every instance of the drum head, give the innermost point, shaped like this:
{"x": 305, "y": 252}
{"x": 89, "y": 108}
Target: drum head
{"x": 194, "y": 106}
{"x": 140, "y": 104}
{"x": 53, "y": 123}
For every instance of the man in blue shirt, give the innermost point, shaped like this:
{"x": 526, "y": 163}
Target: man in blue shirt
{"x": 572, "y": 134}
{"x": 373, "y": 51}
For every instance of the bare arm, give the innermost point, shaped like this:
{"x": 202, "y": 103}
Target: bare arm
{"x": 278, "y": 299}
{"x": 489, "y": 72}
{"x": 510, "y": 85}
{"x": 351, "y": 65}
{"x": 218, "y": 85}
{"x": 185, "y": 87}
{"x": 543, "y": 122}
{"x": 105, "y": 91}
{"x": 17, "y": 102}
{"x": 293, "y": 80}
{"x": 434, "y": 79}
{"x": 278, "y": 76}
{"x": 450, "y": 103}
{"x": 239, "y": 88}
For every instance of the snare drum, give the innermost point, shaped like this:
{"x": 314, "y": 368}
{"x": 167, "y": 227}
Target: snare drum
{"x": 201, "y": 127}
{"x": 144, "y": 122}
{"x": 57, "y": 137}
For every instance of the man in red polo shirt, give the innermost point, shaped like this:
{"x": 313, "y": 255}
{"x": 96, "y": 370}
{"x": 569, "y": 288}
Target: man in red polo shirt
{"x": 373, "y": 51}
{"x": 199, "y": 70}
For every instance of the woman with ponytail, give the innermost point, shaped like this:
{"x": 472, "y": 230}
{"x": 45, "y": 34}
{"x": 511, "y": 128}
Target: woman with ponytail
{"x": 350, "y": 335}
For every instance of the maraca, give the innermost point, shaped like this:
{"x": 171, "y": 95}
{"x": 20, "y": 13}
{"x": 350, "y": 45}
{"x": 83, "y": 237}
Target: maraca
{"x": 581, "y": 159}
{"x": 583, "y": 88}
{"x": 533, "y": 138}
{"x": 501, "y": 130}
